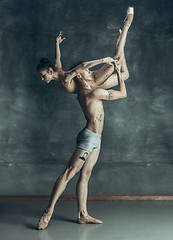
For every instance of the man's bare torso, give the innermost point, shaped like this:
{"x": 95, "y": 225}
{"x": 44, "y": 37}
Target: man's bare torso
{"x": 92, "y": 109}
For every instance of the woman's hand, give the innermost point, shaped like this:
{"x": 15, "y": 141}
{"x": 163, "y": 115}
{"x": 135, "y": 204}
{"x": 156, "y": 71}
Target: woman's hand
{"x": 59, "y": 38}
{"x": 108, "y": 60}
{"x": 79, "y": 68}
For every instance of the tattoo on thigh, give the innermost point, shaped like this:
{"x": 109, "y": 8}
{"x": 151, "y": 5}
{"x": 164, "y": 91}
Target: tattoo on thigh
{"x": 85, "y": 155}
{"x": 107, "y": 67}
{"x": 106, "y": 77}
{"x": 110, "y": 95}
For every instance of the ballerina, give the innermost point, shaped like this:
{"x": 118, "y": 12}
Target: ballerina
{"x": 103, "y": 77}
{"x": 90, "y": 93}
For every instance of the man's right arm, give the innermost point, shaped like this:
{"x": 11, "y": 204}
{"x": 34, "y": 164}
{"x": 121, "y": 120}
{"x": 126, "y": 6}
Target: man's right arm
{"x": 112, "y": 94}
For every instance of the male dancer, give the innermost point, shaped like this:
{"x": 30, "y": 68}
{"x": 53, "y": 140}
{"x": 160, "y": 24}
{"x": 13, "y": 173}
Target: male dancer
{"x": 88, "y": 146}
{"x": 89, "y": 139}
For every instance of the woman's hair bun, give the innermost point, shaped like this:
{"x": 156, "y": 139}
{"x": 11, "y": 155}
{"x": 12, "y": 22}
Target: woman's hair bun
{"x": 45, "y": 64}
{"x": 44, "y": 60}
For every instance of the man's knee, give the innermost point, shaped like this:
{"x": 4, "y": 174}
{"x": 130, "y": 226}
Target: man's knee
{"x": 85, "y": 175}
{"x": 70, "y": 173}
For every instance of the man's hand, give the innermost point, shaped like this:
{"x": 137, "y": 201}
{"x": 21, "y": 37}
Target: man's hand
{"x": 117, "y": 66}
{"x": 59, "y": 38}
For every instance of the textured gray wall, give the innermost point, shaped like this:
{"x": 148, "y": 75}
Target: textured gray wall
{"x": 39, "y": 122}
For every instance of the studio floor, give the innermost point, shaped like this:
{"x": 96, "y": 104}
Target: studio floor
{"x": 122, "y": 220}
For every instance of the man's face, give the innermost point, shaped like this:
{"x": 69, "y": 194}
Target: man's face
{"x": 46, "y": 75}
{"x": 86, "y": 74}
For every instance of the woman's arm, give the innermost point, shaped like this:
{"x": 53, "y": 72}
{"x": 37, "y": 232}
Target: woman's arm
{"x": 75, "y": 71}
{"x": 59, "y": 40}
{"x": 69, "y": 83}
{"x": 93, "y": 63}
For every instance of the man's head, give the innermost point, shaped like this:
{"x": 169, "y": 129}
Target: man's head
{"x": 86, "y": 74}
{"x": 84, "y": 78}
{"x": 45, "y": 70}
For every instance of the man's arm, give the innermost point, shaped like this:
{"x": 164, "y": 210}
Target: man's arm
{"x": 112, "y": 94}
{"x": 59, "y": 40}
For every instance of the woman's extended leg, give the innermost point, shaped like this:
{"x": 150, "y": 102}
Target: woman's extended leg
{"x": 82, "y": 188}
{"x": 113, "y": 79}
{"x": 74, "y": 165}
{"x": 106, "y": 70}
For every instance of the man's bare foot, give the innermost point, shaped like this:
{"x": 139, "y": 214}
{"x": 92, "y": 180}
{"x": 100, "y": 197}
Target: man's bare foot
{"x": 129, "y": 17}
{"x": 88, "y": 219}
{"x": 44, "y": 220}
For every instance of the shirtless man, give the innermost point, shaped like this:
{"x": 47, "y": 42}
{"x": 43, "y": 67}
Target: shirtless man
{"x": 88, "y": 145}
{"x": 90, "y": 88}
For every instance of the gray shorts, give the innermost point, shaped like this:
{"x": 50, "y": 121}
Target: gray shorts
{"x": 88, "y": 140}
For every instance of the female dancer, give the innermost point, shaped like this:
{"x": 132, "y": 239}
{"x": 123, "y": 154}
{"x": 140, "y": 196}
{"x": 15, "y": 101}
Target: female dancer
{"x": 87, "y": 149}
{"x": 103, "y": 77}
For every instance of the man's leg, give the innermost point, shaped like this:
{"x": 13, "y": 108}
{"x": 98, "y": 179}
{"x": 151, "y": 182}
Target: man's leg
{"x": 82, "y": 188}
{"x": 106, "y": 70}
{"x": 74, "y": 165}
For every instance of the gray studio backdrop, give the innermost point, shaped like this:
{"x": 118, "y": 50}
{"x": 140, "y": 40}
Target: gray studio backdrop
{"x": 39, "y": 122}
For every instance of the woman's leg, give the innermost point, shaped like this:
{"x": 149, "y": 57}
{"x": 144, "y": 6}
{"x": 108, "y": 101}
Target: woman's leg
{"x": 106, "y": 70}
{"x": 112, "y": 81}
{"x": 82, "y": 188}
{"x": 74, "y": 165}
{"x": 127, "y": 23}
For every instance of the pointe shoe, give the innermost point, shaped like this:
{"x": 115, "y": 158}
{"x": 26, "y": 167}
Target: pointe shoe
{"x": 44, "y": 220}
{"x": 129, "y": 17}
{"x": 88, "y": 219}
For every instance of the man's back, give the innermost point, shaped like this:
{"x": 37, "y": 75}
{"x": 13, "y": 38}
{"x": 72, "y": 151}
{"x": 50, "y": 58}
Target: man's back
{"x": 92, "y": 109}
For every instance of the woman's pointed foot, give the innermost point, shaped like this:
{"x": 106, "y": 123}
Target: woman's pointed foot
{"x": 129, "y": 17}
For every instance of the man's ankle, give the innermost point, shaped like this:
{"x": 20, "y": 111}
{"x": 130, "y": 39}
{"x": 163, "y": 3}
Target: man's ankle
{"x": 83, "y": 213}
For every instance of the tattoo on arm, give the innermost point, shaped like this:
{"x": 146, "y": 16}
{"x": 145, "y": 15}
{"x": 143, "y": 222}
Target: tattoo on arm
{"x": 99, "y": 118}
{"x": 110, "y": 95}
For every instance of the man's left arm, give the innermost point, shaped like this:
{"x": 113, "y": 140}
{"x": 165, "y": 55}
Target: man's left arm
{"x": 112, "y": 94}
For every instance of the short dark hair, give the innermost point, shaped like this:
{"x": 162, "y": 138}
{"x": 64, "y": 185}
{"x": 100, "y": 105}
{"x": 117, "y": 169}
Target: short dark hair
{"x": 45, "y": 64}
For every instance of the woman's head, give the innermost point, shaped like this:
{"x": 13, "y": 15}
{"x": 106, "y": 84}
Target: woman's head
{"x": 45, "y": 69}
